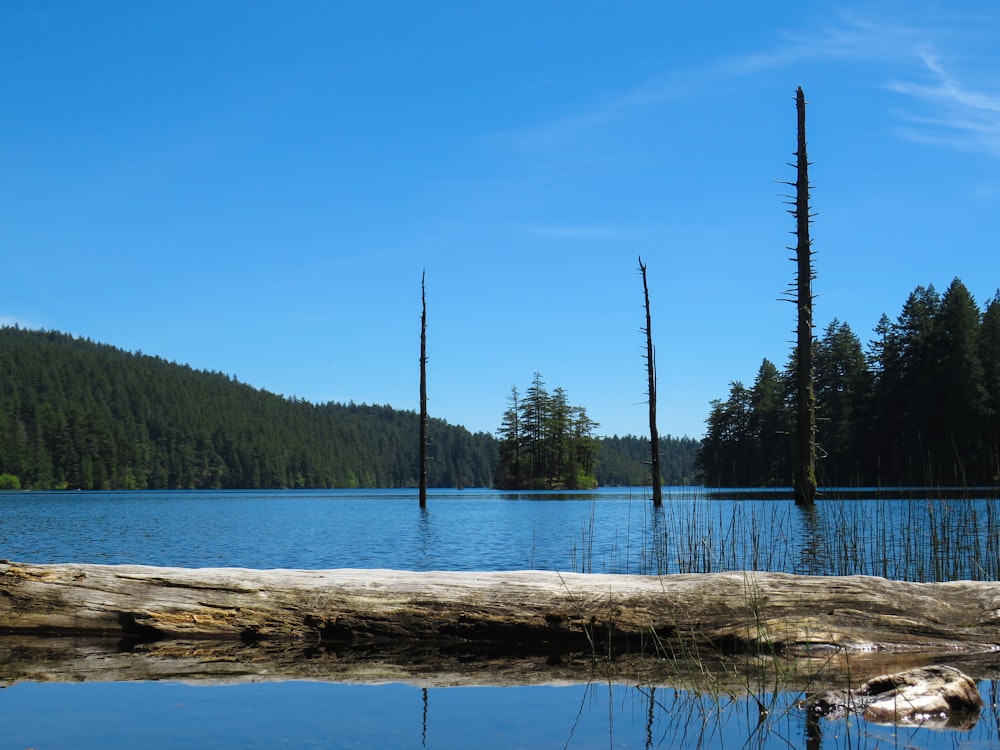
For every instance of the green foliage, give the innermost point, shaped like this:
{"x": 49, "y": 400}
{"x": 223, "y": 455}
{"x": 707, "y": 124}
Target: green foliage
{"x": 75, "y": 414}
{"x": 545, "y": 443}
{"x": 9, "y": 482}
{"x": 624, "y": 461}
{"x": 920, "y": 409}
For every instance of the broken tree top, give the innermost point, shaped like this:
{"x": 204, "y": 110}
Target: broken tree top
{"x": 742, "y": 609}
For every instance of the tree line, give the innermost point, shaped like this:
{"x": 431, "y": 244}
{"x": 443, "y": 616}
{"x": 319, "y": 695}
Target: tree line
{"x": 81, "y": 415}
{"x": 920, "y": 406}
{"x": 75, "y": 414}
{"x": 624, "y": 461}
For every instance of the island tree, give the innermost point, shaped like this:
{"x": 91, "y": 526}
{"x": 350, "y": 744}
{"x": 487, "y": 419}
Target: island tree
{"x": 545, "y": 442}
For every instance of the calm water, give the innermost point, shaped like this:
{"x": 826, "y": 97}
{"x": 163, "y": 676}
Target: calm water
{"x": 113, "y": 716}
{"x": 613, "y": 531}
{"x": 606, "y": 531}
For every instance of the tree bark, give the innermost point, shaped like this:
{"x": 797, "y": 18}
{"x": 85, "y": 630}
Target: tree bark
{"x": 733, "y": 612}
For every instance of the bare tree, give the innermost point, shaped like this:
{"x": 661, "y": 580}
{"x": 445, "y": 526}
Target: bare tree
{"x": 804, "y": 458}
{"x": 654, "y": 437}
{"x": 423, "y": 391}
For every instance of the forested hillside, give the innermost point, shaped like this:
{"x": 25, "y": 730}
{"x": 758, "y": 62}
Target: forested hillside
{"x": 80, "y": 415}
{"x": 75, "y": 414}
{"x": 920, "y": 407}
{"x": 625, "y": 461}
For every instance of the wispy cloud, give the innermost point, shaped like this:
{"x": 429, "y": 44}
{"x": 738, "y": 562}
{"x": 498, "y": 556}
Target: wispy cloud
{"x": 945, "y": 108}
{"x": 853, "y": 36}
{"x": 953, "y": 114}
{"x": 672, "y": 86}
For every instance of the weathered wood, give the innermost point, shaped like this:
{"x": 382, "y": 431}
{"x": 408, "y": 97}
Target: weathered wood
{"x": 664, "y": 614}
{"x": 937, "y": 696}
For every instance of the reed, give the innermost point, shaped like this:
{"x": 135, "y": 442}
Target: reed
{"x": 755, "y": 693}
{"x": 914, "y": 539}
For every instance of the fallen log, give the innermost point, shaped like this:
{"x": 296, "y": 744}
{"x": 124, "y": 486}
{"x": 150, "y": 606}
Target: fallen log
{"x": 732, "y": 612}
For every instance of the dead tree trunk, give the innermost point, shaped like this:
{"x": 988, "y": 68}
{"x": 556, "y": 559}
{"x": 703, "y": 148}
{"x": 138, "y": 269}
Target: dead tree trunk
{"x": 804, "y": 479}
{"x": 423, "y": 391}
{"x": 740, "y": 610}
{"x": 654, "y": 437}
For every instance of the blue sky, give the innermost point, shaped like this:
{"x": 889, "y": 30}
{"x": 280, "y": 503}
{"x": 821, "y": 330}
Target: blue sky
{"x": 256, "y": 187}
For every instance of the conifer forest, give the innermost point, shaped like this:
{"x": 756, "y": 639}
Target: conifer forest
{"x": 75, "y": 414}
{"x": 918, "y": 406}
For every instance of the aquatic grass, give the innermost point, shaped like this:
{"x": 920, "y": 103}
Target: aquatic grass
{"x": 759, "y": 687}
{"x": 914, "y": 539}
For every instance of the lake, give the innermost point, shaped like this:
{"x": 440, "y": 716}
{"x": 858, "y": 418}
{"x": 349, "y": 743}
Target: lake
{"x": 614, "y": 531}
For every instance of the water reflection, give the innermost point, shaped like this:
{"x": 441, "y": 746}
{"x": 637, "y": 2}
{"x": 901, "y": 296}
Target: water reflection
{"x": 811, "y": 555}
{"x": 93, "y": 694}
{"x": 317, "y": 714}
{"x": 423, "y": 731}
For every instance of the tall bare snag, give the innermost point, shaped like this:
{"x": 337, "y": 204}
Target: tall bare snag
{"x": 804, "y": 469}
{"x": 654, "y": 437}
{"x": 423, "y": 391}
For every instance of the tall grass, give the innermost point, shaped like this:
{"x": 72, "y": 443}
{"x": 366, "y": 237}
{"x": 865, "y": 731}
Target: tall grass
{"x": 753, "y": 697}
{"x": 904, "y": 539}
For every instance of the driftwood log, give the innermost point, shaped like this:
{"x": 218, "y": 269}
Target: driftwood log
{"x": 732, "y": 612}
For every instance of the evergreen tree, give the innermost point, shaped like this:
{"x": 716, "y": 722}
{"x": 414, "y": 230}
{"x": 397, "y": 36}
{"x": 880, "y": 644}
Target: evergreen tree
{"x": 769, "y": 428}
{"x": 510, "y": 466}
{"x": 989, "y": 357}
{"x": 957, "y": 410}
{"x": 727, "y": 450}
{"x": 904, "y": 389}
{"x": 843, "y": 403}
{"x": 545, "y": 442}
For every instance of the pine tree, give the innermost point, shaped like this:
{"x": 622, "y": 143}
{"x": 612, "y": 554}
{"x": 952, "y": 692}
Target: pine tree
{"x": 957, "y": 380}
{"x": 989, "y": 357}
{"x": 843, "y": 403}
